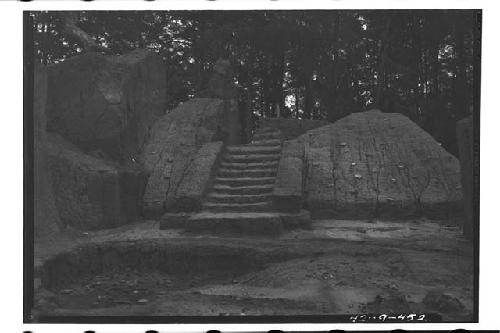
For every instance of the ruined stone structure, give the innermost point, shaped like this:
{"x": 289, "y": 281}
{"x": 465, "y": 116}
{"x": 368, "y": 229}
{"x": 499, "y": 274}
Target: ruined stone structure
{"x": 99, "y": 110}
{"x": 240, "y": 199}
{"x": 177, "y": 139}
{"x": 366, "y": 165}
{"x": 116, "y": 155}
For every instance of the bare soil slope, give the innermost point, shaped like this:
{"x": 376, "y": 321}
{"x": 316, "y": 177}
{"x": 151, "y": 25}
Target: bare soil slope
{"x": 375, "y": 164}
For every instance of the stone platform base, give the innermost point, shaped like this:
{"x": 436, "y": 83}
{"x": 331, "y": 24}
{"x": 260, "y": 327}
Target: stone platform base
{"x": 258, "y": 223}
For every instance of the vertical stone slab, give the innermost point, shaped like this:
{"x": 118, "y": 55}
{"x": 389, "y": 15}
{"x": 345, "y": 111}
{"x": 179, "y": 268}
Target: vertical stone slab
{"x": 465, "y": 139}
{"x": 47, "y": 221}
{"x": 198, "y": 177}
{"x": 288, "y": 187}
{"x": 92, "y": 193}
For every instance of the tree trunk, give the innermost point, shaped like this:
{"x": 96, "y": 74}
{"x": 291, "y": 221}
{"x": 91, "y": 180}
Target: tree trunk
{"x": 277, "y": 74}
{"x": 280, "y": 93}
{"x": 297, "y": 103}
{"x": 71, "y": 28}
{"x": 381, "y": 68}
{"x": 308, "y": 98}
{"x": 460, "y": 98}
{"x": 439, "y": 120}
{"x": 267, "y": 95}
{"x": 333, "y": 98}
{"x": 245, "y": 109}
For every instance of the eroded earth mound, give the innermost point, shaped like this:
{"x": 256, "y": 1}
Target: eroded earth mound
{"x": 375, "y": 164}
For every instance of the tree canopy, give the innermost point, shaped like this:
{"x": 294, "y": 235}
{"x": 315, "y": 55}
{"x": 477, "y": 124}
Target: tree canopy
{"x": 307, "y": 64}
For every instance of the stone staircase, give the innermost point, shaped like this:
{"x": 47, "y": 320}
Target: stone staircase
{"x": 240, "y": 199}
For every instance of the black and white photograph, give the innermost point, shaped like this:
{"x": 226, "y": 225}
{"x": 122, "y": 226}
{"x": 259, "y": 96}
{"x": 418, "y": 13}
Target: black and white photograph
{"x": 252, "y": 165}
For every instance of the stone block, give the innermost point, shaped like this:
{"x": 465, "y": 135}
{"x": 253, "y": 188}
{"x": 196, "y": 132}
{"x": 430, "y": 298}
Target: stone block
{"x": 92, "y": 193}
{"x": 198, "y": 177}
{"x": 107, "y": 103}
{"x": 288, "y": 186}
{"x": 174, "y": 220}
{"x": 465, "y": 139}
{"x": 299, "y": 220}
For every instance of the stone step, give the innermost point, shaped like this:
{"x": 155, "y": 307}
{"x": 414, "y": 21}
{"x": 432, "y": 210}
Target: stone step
{"x": 237, "y": 223}
{"x": 266, "y": 130}
{"x": 250, "y": 158}
{"x": 249, "y": 166}
{"x": 253, "y": 149}
{"x": 266, "y": 136}
{"x": 235, "y": 207}
{"x": 231, "y": 173}
{"x": 237, "y": 198}
{"x": 264, "y": 223}
{"x": 244, "y": 181}
{"x": 266, "y": 142}
{"x": 251, "y": 189}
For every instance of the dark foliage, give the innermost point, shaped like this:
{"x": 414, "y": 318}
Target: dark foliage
{"x": 306, "y": 64}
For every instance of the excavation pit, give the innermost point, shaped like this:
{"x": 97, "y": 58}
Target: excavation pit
{"x": 132, "y": 273}
{"x": 337, "y": 267}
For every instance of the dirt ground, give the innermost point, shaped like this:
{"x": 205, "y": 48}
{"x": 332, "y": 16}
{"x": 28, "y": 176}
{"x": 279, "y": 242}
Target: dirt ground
{"x": 337, "y": 267}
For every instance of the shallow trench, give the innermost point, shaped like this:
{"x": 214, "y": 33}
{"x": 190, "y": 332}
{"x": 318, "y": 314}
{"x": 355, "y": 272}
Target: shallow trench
{"x": 137, "y": 272}
{"x": 348, "y": 267}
